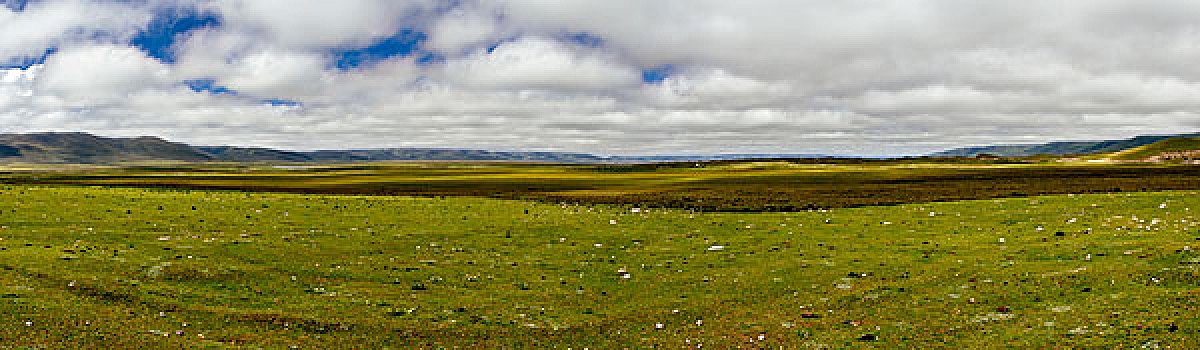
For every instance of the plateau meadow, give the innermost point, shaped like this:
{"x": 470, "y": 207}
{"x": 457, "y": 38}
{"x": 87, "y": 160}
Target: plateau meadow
{"x": 104, "y": 267}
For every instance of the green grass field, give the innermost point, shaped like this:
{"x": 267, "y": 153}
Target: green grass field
{"x": 93, "y": 267}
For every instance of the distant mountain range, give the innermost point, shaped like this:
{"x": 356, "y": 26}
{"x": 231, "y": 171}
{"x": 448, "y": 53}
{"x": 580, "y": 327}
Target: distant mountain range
{"x": 89, "y": 149}
{"x": 83, "y": 148}
{"x": 1059, "y": 148}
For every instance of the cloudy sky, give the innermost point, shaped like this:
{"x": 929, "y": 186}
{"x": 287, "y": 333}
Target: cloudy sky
{"x": 868, "y": 77}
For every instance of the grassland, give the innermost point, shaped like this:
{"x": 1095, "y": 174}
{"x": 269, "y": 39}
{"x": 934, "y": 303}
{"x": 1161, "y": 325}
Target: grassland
{"x": 105, "y": 267}
{"x": 746, "y": 186}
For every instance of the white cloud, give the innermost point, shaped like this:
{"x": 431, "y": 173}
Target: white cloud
{"x": 538, "y": 63}
{"x": 461, "y": 30}
{"x": 100, "y": 74}
{"x": 277, "y": 74}
{"x": 888, "y": 76}
{"x": 207, "y": 53}
{"x": 16, "y": 87}
{"x": 46, "y": 24}
{"x": 717, "y": 88}
{"x": 320, "y": 23}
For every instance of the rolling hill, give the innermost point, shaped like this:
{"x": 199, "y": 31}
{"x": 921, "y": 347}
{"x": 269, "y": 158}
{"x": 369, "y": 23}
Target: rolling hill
{"x": 1059, "y": 148}
{"x": 83, "y": 148}
{"x": 1179, "y": 148}
{"x": 90, "y": 149}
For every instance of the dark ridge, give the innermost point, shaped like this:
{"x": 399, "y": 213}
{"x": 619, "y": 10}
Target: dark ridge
{"x": 252, "y": 154}
{"x": 9, "y": 151}
{"x": 83, "y": 148}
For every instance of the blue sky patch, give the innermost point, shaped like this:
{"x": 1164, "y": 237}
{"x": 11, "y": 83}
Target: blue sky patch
{"x": 159, "y": 39}
{"x": 403, "y": 43}
{"x": 26, "y": 62}
{"x": 585, "y": 39}
{"x": 209, "y": 86}
{"x": 656, "y": 75}
{"x": 15, "y": 5}
{"x": 428, "y": 58}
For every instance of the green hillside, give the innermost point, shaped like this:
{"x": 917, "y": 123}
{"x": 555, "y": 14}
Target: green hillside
{"x": 82, "y": 148}
{"x": 1059, "y": 148}
{"x": 1178, "y": 144}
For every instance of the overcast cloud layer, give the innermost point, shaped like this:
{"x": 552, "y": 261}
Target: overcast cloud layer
{"x": 873, "y": 77}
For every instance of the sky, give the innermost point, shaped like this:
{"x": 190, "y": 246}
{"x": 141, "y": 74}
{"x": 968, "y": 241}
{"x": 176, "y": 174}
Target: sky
{"x": 617, "y": 77}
